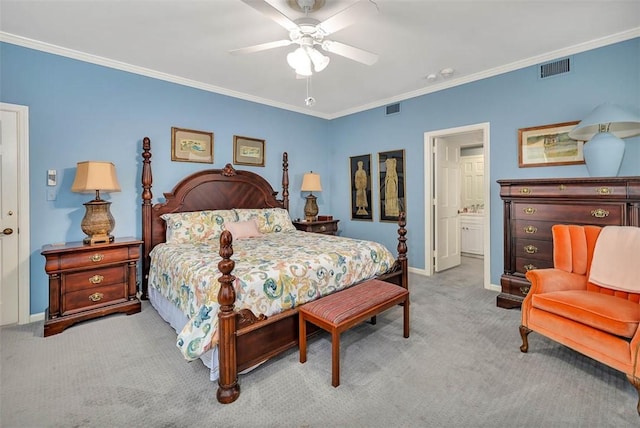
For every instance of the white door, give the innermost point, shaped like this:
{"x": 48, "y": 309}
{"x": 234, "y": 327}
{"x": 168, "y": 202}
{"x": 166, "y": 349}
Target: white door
{"x": 447, "y": 204}
{"x": 14, "y": 246}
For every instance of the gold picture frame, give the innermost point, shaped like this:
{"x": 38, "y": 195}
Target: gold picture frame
{"x": 549, "y": 145}
{"x": 248, "y": 151}
{"x": 188, "y": 145}
{"x": 361, "y": 186}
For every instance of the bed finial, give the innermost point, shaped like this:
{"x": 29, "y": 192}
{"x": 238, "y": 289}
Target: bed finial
{"x": 228, "y": 387}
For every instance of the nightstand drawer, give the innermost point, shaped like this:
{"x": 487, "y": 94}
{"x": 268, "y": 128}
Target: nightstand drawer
{"x": 93, "y": 297}
{"x": 94, "y": 257}
{"x": 327, "y": 227}
{"x": 94, "y": 277}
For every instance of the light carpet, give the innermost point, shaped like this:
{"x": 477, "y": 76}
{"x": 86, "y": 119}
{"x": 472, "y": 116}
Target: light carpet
{"x": 461, "y": 367}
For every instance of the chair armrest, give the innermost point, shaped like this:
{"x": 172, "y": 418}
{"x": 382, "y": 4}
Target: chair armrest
{"x": 548, "y": 280}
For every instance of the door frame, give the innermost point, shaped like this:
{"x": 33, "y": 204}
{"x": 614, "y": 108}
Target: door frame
{"x": 24, "y": 293}
{"x": 429, "y": 179}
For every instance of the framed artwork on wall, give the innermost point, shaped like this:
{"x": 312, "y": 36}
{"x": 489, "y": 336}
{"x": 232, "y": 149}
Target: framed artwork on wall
{"x": 248, "y": 151}
{"x": 549, "y": 145}
{"x": 392, "y": 185}
{"x": 188, "y": 145}
{"x": 361, "y": 203}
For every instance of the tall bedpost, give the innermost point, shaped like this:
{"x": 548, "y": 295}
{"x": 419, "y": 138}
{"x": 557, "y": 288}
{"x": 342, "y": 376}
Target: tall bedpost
{"x": 228, "y": 387}
{"x": 402, "y": 249}
{"x": 146, "y": 214}
{"x": 285, "y": 181}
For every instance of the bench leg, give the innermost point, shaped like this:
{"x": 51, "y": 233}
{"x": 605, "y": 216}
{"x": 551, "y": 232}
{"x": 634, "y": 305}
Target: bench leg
{"x": 302, "y": 338}
{"x": 406, "y": 317}
{"x": 374, "y": 319}
{"x": 335, "y": 358}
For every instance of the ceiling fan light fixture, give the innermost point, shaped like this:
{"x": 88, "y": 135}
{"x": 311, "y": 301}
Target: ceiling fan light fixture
{"x": 319, "y": 61}
{"x": 299, "y": 59}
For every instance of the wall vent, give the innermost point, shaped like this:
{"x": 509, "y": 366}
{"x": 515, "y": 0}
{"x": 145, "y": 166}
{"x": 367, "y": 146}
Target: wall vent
{"x": 393, "y": 108}
{"x": 555, "y": 68}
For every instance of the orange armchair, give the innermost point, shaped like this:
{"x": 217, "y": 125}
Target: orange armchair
{"x": 565, "y": 305}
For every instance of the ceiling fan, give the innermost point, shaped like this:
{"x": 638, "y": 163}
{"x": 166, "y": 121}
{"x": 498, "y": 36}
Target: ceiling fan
{"x": 309, "y": 33}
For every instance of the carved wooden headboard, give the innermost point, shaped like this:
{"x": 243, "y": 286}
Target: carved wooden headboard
{"x": 212, "y": 189}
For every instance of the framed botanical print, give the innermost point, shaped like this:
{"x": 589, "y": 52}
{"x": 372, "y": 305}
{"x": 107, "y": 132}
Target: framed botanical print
{"x": 392, "y": 185}
{"x": 361, "y": 203}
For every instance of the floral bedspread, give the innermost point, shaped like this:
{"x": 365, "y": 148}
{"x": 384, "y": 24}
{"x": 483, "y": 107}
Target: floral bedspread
{"x": 274, "y": 272}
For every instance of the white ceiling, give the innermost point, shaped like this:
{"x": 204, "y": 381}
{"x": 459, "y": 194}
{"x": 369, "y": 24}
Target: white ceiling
{"x": 188, "y": 42}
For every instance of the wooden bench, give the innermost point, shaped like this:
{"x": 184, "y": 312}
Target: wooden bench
{"x": 340, "y": 311}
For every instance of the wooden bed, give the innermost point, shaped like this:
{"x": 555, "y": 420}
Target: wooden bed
{"x": 245, "y": 339}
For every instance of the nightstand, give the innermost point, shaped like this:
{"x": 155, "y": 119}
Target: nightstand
{"x": 327, "y": 227}
{"x": 90, "y": 281}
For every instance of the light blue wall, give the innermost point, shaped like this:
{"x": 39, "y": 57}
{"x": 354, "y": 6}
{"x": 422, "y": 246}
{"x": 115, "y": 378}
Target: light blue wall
{"x": 81, "y": 111}
{"x": 508, "y": 102}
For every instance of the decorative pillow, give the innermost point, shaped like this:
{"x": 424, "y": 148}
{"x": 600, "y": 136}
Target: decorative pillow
{"x": 269, "y": 220}
{"x": 197, "y": 226}
{"x": 243, "y": 229}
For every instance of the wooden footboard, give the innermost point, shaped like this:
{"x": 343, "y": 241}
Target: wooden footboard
{"x": 246, "y": 340}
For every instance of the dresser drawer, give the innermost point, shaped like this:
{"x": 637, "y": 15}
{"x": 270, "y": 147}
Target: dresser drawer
{"x": 533, "y": 248}
{"x": 90, "y": 258}
{"x": 93, "y": 298}
{"x": 602, "y": 214}
{"x": 532, "y": 229}
{"x": 89, "y": 279}
{"x": 525, "y": 264}
{"x": 569, "y": 190}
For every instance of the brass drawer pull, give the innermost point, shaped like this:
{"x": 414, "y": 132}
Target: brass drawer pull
{"x": 600, "y": 213}
{"x": 604, "y": 190}
{"x": 525, "y": 191}
{"x": 323, "y": 228}
{"x": 97, "y": 257}
{"x": 530, "y": 229}
{"x": 96, "y": 279}
{"x": 529, "y": 267}
{"x": 530, "y": 249}
{"x": 525, "y": 290}
{"x": 562, "y": 187}
{"x": 529, "y": 210}
{"x": 96, "y": 297}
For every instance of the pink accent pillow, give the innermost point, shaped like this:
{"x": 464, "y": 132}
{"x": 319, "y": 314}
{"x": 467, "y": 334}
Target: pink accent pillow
{"x": 243, "y": 229}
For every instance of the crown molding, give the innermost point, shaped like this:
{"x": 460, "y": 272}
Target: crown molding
{"x": 118, "y": 65}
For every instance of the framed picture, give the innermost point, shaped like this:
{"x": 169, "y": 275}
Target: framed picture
{"x": 248, "y": 151}
{"x": 188, "y": 145}
{"x": 361, "y": 203}
{"x": 549, "y": 145}
{"x": 392, "y": 191}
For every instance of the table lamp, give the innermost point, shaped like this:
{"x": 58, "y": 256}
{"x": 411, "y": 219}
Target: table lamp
{"x": 311, "y": 183}
{"x": 94, "y": 176}
{"x": 602, "y": 131}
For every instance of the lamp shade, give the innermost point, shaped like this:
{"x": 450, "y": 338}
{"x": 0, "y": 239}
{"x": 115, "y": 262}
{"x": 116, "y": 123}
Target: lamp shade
{"x": 311, "y": 182}
{"x": 610, "y": 118}
{"x": 92, "y": 176}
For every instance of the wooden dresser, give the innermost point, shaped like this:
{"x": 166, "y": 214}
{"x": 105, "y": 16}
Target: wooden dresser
{"x": 89, "y": 281}
{"x": 532, "y": 206}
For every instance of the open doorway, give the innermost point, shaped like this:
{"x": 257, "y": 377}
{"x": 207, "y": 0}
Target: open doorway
{"x": 444, "y": 150}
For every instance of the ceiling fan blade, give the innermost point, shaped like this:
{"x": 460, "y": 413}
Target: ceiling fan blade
{"x": 271, "y": 12}
{"x": 356, "y": 12}
{"x": 356, "y": 54}
{"x": 261, "y": 47}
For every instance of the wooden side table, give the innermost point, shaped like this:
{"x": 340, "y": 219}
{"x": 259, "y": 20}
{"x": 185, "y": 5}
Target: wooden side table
{"x": 327, "y": 227}
{"x": 90, "y": 281}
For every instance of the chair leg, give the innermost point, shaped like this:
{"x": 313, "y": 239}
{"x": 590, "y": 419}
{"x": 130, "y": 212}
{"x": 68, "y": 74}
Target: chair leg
{"x": 524, "y": 332}
{"x": 636, "y": 383}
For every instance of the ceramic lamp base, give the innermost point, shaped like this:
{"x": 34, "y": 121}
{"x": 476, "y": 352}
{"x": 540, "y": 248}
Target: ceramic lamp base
{"x": 603, "y": 155}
